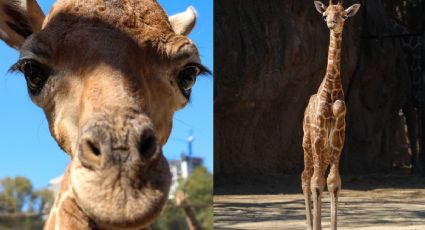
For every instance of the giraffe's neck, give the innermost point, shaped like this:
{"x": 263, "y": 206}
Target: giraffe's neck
{"x": 65, "y": 213}
{"x": 331, "y": 87}
{"x": 191, "y": 220}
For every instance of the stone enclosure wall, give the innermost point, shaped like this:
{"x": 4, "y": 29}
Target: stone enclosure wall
{"x": 270, "y": 58}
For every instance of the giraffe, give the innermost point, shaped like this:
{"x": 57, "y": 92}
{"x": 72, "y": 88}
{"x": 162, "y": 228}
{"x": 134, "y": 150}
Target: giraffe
{"x": 181, "y": 201}
{"x": 324, "y": 123}
{"x": 109, "y": 75}
{"x": 411, "y": 46}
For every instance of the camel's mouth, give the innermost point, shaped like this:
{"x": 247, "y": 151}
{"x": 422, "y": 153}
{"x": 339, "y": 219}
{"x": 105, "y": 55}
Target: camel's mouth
{"x": 334, "y": 26}
{"x": 331, "y": 25}
{"x": 122, "y": 196}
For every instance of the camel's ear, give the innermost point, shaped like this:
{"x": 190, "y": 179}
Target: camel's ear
{"x": 352, "y": 10}
{"x": 184, "y": 22}
{"x": 18, "y": 20}
{"x": 320, "y": 7}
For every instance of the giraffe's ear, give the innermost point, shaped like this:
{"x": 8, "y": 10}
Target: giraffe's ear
{"x": 320, "y": 7}
{"x": 18, "y": 20}
{"x": 183, "y": 22}
{"x": 352, "y": 10}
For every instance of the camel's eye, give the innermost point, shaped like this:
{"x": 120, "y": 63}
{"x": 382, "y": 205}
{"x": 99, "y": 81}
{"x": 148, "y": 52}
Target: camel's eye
{"x": 187, "y": 78}
{"x": 36, "y": 74}
{"x": 324, "y": 17}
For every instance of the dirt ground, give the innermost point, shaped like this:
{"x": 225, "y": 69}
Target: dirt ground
{"x": 381, "y": 202}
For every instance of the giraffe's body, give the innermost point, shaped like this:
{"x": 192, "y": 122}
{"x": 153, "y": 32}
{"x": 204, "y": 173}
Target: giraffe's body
{"x": 411, "y": 46}
{"x": 324, "y": 125}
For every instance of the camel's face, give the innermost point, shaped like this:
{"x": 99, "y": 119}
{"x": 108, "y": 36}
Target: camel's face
{"x": 335, "y": 15}
{"x": 109, "y": 93}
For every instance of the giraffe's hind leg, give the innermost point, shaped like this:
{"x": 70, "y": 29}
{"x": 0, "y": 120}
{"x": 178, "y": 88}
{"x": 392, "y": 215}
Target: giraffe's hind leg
{"x": 337, "y": 138}
{"x": 306, "y": 178}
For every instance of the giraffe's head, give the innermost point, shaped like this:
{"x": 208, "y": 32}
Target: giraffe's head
{"x": 335, "y": 15}
{"x": 109, "y": 76}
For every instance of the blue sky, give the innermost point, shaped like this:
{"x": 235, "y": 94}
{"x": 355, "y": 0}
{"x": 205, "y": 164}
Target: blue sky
{"x": 26, "y": 146}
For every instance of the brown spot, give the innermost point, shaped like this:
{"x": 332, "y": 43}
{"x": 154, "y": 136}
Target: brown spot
{"x": 340, "y": 125}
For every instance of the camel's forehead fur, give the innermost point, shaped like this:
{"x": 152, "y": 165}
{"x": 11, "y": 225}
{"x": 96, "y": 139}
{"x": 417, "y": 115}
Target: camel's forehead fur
{"x": 335, "y": 8}
{"x": 143, "y": 20}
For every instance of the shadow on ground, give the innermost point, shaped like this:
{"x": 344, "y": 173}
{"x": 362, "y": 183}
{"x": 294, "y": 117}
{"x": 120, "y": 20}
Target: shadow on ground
{"x": 366, "y": 202}
{"x": 240, "y": 184}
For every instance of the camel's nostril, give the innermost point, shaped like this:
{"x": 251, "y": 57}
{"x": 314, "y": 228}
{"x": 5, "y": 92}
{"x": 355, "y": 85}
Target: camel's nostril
{"x": 147, "y": 145}
{"x": 95, "y": 150}
{"x": 89, "y": 153}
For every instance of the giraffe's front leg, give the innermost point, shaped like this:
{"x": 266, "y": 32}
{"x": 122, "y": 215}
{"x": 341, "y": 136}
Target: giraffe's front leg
{"x": 334, "y": 186}
{"x": 306, "y": 177}
{"x": 337, "y": 138}
{"x": 318, "y": 180}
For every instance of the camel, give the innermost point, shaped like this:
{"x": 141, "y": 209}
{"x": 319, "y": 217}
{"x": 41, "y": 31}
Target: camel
{"x": 109, "y": 75}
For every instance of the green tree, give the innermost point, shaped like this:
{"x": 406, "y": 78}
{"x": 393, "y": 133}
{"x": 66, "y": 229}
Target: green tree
{"x": 172, "y": 218}
{"x": 43, "y": 199}
{"x": 15, "y": 193}
{"x": 17, "y": 202}
{"x": 199, "y": 188}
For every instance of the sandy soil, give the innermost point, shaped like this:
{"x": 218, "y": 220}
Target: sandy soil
{"x": 372, "y": 202}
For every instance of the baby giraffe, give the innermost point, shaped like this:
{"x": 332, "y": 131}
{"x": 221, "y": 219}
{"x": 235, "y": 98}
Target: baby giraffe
{"x": 324, "y": 123}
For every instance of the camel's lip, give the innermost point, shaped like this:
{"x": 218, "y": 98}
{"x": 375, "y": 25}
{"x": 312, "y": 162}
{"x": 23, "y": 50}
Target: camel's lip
{"x": 331, "y": 25}
{"x": 150, "y": 190}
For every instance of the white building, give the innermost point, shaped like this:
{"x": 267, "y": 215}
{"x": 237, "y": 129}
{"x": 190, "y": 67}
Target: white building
{"x": 181, "y": 169}
{"x": 55, "y": 183}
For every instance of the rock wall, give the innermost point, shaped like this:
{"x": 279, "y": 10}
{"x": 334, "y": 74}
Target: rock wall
{"x": 270, "y": 56}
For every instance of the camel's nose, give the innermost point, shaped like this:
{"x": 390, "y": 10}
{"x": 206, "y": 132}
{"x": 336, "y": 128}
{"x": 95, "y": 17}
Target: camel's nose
{"x": 100, "y": 146}
{"x": 331, "y": 23}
